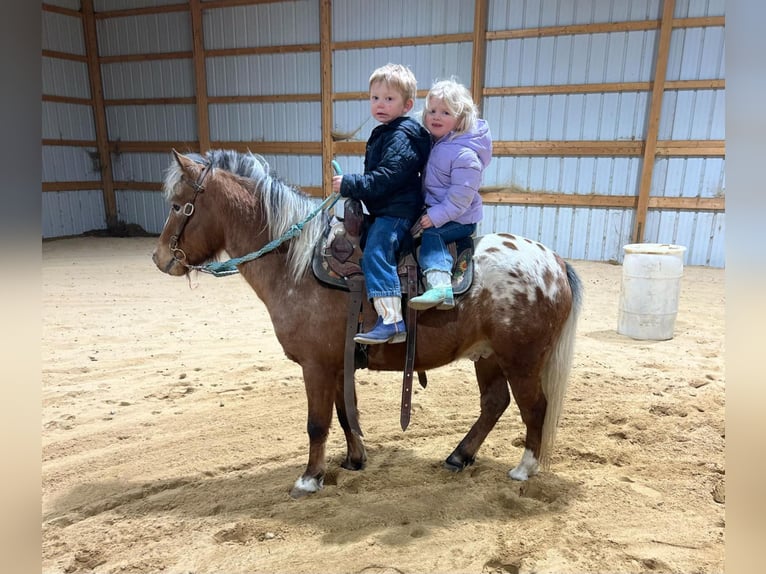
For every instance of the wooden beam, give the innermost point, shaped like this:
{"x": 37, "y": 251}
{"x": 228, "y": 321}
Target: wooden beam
{"x": 67, "y": 100}
{"x": 275, "y": 98}
{"x": 604, "y": 87}
{"x": 605, "y": 27}
{"x": 259, "y": 50}
{"x": 61, "y": 10}
{"x": 479, "y": 51}
{"x": 183, "y": 55}
{"x": 276, "y": 148}
{"x": 69, "y": 143}
{"x": 655, "y": 109}
{"x": 64, "y": 56}
{"x": 568, "y": 148}
{"x": 142, "y": 11}
{"x": 410, "y": 41}
{"x": 70, "y": 185}
{"x": 97, "y": 94}
{"x": 325, "y": 65}
{"x": 200, "y": 80}
{"x": 503, "y": 196}
{"x": 150, "y": 101}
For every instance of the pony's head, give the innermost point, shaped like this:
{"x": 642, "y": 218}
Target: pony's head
{"x": 190, "y": 234}
{"x": 229, "y": 201}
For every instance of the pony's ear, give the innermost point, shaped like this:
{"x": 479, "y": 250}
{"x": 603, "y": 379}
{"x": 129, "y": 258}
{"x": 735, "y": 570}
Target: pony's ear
{"x": 183, "y": 161}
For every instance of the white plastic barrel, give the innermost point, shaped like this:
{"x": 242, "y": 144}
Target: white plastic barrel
{"x": 651, "y": 284}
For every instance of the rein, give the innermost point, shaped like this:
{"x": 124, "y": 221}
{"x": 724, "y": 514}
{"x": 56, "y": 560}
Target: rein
{"x": 226, "y": 268}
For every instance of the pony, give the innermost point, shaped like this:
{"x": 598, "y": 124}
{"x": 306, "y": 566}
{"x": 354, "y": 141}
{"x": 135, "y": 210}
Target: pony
{"x": 517, "y": 322}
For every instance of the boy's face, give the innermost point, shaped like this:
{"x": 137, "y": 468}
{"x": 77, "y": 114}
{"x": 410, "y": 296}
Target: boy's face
{"x": 386, "y": 103}
{"x": 439, "y": 120}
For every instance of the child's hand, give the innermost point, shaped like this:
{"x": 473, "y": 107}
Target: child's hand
{"x": 336, "y": 179}
{"x": 425, "y": 221}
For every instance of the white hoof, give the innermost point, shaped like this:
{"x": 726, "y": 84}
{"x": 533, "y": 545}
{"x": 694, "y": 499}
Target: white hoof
{"x": 304, "y": 486}
{"x": 526, "y": 468}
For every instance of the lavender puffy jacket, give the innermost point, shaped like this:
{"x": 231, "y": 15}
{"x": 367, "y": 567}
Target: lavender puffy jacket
{"x": 453, "y": 175}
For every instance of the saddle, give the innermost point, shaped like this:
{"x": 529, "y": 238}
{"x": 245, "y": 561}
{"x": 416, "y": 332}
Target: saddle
{"x": 337, "y": 263}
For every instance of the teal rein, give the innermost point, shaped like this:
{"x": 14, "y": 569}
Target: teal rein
{"x": 226, "y": 268}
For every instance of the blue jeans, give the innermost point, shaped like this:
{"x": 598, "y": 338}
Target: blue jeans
{"x": 434, "y": 255}
{"x": 381, "y": 253}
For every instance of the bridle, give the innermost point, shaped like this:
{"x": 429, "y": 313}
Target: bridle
{"x": 187, "y": 211}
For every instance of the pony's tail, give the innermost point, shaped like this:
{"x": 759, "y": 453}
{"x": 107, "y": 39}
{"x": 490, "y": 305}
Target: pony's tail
{"x": 556, "y": 370}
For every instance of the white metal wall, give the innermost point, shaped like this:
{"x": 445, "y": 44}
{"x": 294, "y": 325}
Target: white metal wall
{"x": 578, "y": 233}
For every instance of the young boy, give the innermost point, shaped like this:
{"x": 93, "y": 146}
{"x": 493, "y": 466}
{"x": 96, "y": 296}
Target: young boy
{"x": 390, "y": 187}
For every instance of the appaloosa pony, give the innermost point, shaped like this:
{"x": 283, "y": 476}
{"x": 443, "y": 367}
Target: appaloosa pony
{"x": 516, "y": 322}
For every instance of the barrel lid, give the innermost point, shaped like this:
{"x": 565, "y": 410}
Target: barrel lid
{"x": 655, "y": 248}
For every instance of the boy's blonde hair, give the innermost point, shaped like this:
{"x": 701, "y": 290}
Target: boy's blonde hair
{"x": 398, "y": 77}
{"x": 459, "y": 102}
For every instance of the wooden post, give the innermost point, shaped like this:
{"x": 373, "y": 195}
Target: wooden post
{"x": 479, "y": 53}
{"x": 99, "y": 115}
{"x": 650, "y": 145}
{"x": 325, "y": 64}
{"x": 200, "y": 80}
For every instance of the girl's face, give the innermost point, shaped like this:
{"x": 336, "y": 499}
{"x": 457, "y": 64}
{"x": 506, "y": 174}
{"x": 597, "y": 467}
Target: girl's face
{"x": 387, "y": 104}
{"x": 438, "y": 119}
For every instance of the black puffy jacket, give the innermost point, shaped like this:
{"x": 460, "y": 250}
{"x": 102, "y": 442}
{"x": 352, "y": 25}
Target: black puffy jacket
{"x": 394, "y": 160}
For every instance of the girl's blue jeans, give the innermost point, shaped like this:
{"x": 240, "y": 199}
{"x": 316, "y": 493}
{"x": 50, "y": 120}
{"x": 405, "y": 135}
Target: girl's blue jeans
{"x": 381, "y": 253}
{"x": 434, "y": 255}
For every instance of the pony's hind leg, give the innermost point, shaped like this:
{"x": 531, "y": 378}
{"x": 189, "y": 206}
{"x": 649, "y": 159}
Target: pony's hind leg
{"x": 528, "y": 393}
{"x": 495, "y": 398}
{"x": 356, "y": 455}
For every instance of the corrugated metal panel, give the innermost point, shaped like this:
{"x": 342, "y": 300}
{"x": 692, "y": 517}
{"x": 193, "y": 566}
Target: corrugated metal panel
{"x": 352, "y": 120}
{"x": 575, "y": 59}
{"x": 695, "y": 8}
{"x": 149, "y": 167}
{"x": 297, "y": 170}
{"x": 63, "y": 163}
{"x": 145, "y": 208}
{"x": 144, "y": 34}
{"x": 63, "y": 33}
{"x": 265, "y": 122}
{"x": 176, "y": 122}
{"x": 696, "y": 54}
{"x": 355, "y": 20}
{"x": 65, "y": 78}
{"x": 519, "y": 14}
{"x": 689, "y": 177}
{"x": 352, "y": 68}
{"x": 68, "y": 121}
{"x": 565, "y": 175}
{"x": 276, "y": 24}
{"x": 151, "y": 79}
{"x": 701, "y": 233}
{"x": 263, "y": 75}
{"x": 609, "y": 116}
{"x": 67, "y": 213}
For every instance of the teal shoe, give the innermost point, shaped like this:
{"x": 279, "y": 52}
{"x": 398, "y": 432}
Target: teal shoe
{"x": 439, "y": 297}
{"x": 382, "y": 333}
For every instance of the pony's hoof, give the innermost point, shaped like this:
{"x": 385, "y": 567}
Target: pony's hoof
{"x": 455, "y": 463}
{"x": 305, "y": 486}
{"x": 349, "y": 464}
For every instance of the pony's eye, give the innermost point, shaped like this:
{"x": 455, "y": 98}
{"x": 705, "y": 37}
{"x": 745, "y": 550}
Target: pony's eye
{"x": 176, "y": 207}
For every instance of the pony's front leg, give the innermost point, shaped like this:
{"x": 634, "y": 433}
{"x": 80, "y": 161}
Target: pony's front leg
{"x": 356, "y": 455}
{"x": 320, "y": 392}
